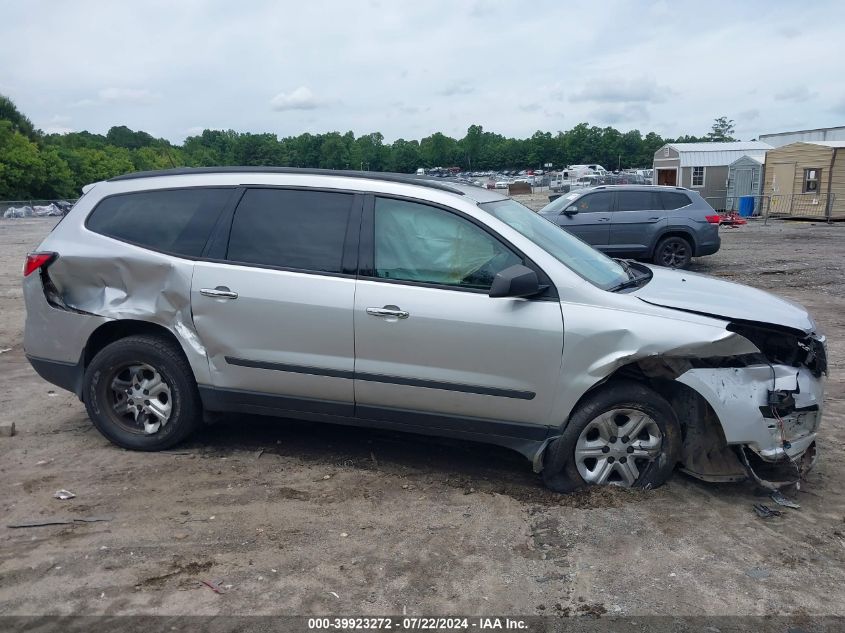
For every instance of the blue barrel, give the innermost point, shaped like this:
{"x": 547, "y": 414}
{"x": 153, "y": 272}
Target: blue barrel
{"x": 746, "y": 206}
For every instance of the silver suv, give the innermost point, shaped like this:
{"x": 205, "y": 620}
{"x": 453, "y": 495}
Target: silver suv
{"x": 394, "y": 302}
{"x": 666, "y": 225}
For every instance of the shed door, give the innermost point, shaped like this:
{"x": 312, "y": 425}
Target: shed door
{"x": 667, "y": 177}
{"x": 783, "y": 181}
{"x": 744, "y": 178}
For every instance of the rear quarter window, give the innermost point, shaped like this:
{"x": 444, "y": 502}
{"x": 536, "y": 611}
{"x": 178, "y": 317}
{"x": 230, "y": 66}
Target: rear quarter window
{"x": 177, "y": 221}
{"x": 674, "y": 200}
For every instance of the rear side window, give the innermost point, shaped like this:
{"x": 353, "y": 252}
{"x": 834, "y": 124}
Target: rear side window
{"x": 634, "y": 201}
{"x": 304, "y": 230}
{"x": 673, "y": 200}
{"x": 176, "y": 221}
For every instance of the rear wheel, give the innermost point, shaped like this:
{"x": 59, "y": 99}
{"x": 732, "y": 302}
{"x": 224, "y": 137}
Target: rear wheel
{"x": 141, "y": 394}
{"x": 673, "y": 252}
{"x": 625, "y": 434}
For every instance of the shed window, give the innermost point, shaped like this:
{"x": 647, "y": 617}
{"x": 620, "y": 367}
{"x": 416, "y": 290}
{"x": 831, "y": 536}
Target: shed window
{"x": 812, "y": 177}
{"x": 698, "y": 176}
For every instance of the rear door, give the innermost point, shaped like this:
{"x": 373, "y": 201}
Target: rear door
{"x": 638, "y": 218}
{"x": 274, "y": 308}
{"x": 430, "y": 342}
{"x": 592, "y": 221}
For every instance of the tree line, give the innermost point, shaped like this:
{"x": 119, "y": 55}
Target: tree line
{"x": 35, "y": 165}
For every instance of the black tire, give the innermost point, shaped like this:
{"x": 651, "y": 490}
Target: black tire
{"x": 169, "y": 361}
{"x": 673, "y": 252}
{"x": 560, "y": 471}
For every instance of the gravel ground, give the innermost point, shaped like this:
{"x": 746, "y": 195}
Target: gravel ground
{"x": 298, "y": 518}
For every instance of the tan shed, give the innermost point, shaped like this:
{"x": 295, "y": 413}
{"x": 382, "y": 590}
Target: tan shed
{"x": 806, "y": 179}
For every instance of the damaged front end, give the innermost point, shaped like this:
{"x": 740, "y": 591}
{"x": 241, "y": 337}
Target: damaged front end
{"x": 768, "y": 406}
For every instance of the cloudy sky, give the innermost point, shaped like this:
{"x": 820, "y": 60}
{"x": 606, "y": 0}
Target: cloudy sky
{"x": 409, "y": 68}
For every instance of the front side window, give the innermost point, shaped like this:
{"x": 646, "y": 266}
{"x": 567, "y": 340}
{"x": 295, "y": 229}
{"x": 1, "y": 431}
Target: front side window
{"x": 595, "y": 202}
{"x": 303, "y": 230}
{"x": 634, "y": 201}
{"x": 416, "y": 242}
{"x": 811, "y": 180}
{"x": 583, "y": 259}
{"x": 177, "y": 221}
{"x": 698, "y": 176}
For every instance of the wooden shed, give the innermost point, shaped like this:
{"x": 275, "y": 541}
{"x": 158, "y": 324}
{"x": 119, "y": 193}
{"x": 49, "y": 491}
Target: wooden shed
{"x": 806, "y": 179}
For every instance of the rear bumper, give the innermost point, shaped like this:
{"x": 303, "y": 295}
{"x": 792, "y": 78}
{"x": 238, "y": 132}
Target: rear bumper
{"x": 708, "y": 246}
{"x": 60, "y": 373}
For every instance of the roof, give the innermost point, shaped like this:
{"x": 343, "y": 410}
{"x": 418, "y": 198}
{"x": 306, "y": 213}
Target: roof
{"x": 761, "y": 159}
{"x": 825, "y": 143}
{"x": 717, "y": 154}
{"x": 815, "y": 129}
{"x": 367, "y": 175}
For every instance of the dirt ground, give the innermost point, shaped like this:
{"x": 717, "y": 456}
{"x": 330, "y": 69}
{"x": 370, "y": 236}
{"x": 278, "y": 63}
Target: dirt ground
{"x": 298, "y": 518}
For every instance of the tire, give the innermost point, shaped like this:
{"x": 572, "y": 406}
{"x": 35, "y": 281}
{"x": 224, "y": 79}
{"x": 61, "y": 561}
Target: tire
{"x": 673, "y": 252}
{"x": 643, "y": 461}
{"x": 117, "y": 376}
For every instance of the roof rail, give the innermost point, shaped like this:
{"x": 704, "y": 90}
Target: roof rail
{"x": 408, "y": 179}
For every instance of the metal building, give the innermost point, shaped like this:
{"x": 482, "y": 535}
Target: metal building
{"x": 780, "y": 139}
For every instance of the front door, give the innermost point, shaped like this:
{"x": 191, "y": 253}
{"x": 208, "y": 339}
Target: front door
{"x": 275, "y": 315}
{"x": 428, "y": 338}
{"x": 638, "y": 218}
{"x": 592, "y": 221}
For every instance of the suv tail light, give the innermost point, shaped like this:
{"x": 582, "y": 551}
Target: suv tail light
{"x": 713, "y": 219}
{"x": 35, "y": 261}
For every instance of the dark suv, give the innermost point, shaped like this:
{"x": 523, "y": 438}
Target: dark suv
{"x": 667, "y": 225}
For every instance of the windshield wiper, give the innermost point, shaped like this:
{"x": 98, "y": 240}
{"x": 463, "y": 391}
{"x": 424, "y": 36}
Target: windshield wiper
{"x": 633, "y": 280}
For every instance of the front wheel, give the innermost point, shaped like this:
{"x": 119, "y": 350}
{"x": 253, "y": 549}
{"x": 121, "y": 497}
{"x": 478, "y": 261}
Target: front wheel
{"x": 140, "y": 393}
{"x": 625, "y": 434}
{"x": 673, "y": 252}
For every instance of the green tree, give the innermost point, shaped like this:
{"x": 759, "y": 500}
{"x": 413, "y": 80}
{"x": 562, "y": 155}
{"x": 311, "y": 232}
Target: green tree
{"x": 722, "y": 130}
{"x": 20, "y": 123}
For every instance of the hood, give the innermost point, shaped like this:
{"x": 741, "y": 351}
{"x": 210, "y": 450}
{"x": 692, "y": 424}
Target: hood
{"x": 707, "y": 295}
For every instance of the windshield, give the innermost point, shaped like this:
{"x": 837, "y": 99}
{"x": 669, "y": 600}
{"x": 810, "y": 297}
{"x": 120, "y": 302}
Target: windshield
{"x": 592, "y": 265}
{"x": 557, "y": 206}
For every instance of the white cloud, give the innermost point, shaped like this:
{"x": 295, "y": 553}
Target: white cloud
{"x": 211, "y": 62}
{"x": 299, "y": 99}
{"x": 622, "y": 91}
{"x": 127, "y": 95}
{"x": 57, "y": 124}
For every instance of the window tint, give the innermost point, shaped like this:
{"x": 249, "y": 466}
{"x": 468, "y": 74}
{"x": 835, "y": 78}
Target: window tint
{"x": 595, "y": 202}
{"x": 290, "y": 229}
{"x": 415, "y": 242}
{"x": 634, "y": 201}
{"x": 672, "y": 200}
{"x": 175, "y": 221}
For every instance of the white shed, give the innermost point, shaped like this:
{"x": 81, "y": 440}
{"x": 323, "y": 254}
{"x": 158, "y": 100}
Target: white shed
{"x": 745, "y": 178}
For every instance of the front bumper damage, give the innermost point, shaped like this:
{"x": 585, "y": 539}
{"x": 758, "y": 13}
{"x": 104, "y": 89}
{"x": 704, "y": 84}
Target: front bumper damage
{"x": 768, "y": 413}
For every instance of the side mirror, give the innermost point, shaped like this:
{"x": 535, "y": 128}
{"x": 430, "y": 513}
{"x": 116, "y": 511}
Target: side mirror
{"x": 571, "y": 210}
{"x": 516, "y": 281}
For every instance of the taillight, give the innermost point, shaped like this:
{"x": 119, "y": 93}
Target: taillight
{"x": 713, "y": 219}
{"x": 34, "y": 261}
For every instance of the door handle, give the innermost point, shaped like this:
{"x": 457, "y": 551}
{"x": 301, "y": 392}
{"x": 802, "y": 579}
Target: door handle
{"x": 220, "y": 292}
{"x": 603, "y": 220}
{"x": 656, "y": 217}
{"x": 388, "y": 312}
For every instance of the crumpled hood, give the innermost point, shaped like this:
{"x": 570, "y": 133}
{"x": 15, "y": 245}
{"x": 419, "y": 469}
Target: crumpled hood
{"x": 724, "y": 299}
